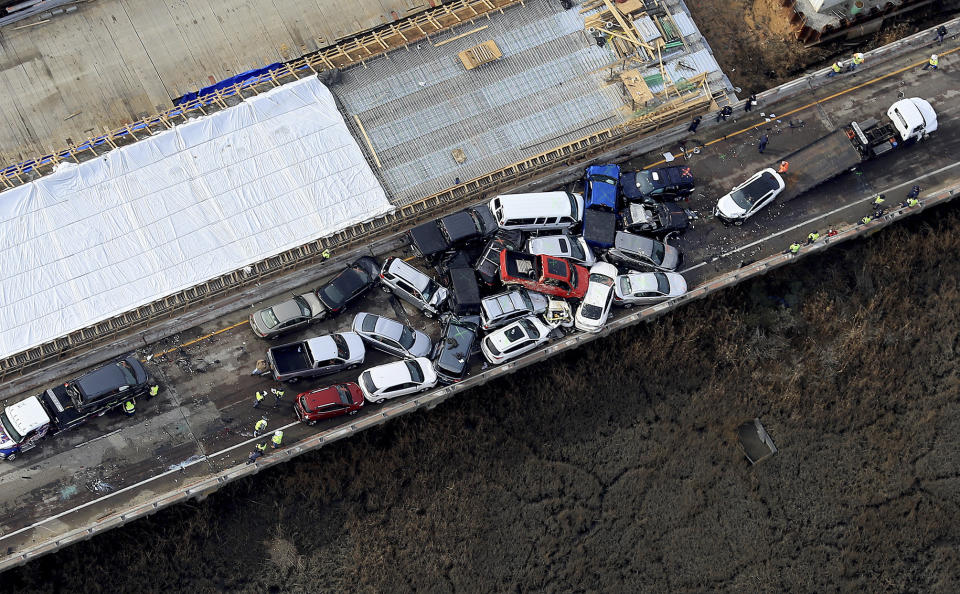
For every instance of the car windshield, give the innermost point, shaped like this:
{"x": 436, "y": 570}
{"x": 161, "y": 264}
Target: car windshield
{"x": 342, "y": 350}
{"x": 741, "y": 199}
{"x": 601, "y": 279}
{"x": 530, "y": 328}
{"x": 269, "y": 318}
{"x": 407, "y": 337}
{"x": 344, "y": 394}
{"x": 663, "y": 284}
{"x": 416, "y": 374}
{"x": 8, "y": 427}
{"x": 625, "y": 285}
{"x": 304, "y": 308}
{"x": 643, "y": 182}
{"x": 576, "y": 250}
{"x": 573, "y": 206}
{"x": 430, "y": 289}
{"x": 368, "y": 384}
{"x": 658, "y": 252}
{"x": 591, "y": 312}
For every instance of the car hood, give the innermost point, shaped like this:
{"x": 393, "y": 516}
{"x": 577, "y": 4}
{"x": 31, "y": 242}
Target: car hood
{"x": 730, "y": 209}
{"x": 671, "y": 257}
{"x": 422, "y": 345}
{"x": 678, "y": 285}
{"x": 355, "y": 345}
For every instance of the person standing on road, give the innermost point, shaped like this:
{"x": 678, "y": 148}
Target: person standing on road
{"x": 130, "y": 407}
{"x": 278, "y": 394}
{"x": 693, "y": 125}
{"x": 763, "y": 144}
{"x": 866, "y": 220}
{"x": 932, "y": 63}
{"x": 784, "y": 167}
{"x": 914, "y": 192}
{"x": 724, "y": 113}
{"x": 941, "y": 33}
{"x": 276, "y": 439}
{"x": 751, "y": 101}
{"x": 835, "y": 69}
{"x": 812, "y": 237}
{"x": 878, "y": 204}
{"x": 258, "y": 398}
{"x": 260, "y": 427}
{"x": 794, "y": 248}
{"x": 260, "y": 450}
{"x": 154, "y": 390}
{"x": 325, "y": 254}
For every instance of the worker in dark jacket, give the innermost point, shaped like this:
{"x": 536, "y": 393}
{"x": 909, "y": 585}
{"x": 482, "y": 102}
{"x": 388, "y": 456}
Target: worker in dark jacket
{"x": 694, "y": 124}
{"x": 726, "y": 112}
{"x": 763, "y": 144}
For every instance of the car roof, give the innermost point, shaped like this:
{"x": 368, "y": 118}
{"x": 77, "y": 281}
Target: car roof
{"x": 642, "y": 282}
{"x": 106, "y": 378}
{"x": 674, "y": 174}
{"x": 418, "y": 279}
{"x": 556, "y": 268}
{"x": 633, "y": 243}
{"x": 550, "y": 244}
{"x": 539, "y": 204}
{"x": 497, "y": 305}
{"x": 322, "y": 347}
{"x": 286, "y": 310}
{"x": 459, "y": 225}
{"x": 760, "y": 183}
{"x": 500, "y": 338}
{"x": 27, "y": 415}
{"x": 428, "y": 238}
{"x": 388, "y": 328}
{"x": 390, "y": 374}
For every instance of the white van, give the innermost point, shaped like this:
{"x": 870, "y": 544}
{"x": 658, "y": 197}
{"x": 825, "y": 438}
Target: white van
{"x": 543, "y": 211}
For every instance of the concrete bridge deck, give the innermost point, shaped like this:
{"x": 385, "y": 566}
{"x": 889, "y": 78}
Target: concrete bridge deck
{"x": 195, "y": 436}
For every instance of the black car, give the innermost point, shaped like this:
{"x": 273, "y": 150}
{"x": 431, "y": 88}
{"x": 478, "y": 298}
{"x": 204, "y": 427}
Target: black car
{"x": 352, "y": 282}
{"x": 432, "y": 239}
{"x": 488, "y": 264}
{"x": 464, "y": 291}
{"x": 108, "y": 385}
{"x": 655, "y": 218}
{"x": 664, "y": 183}
{"x": 451, "y": 356}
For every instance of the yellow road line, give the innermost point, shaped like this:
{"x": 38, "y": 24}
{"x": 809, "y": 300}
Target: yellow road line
{"x": 814, "y": 103}
{"x": 196, "y": 340}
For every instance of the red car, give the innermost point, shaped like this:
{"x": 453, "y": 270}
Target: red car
{"x": 329, "y": 402}
{"x": 544, "y": 274}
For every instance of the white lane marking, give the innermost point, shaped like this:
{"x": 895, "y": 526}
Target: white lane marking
{"x": 824, "y": 215}
{"x": 180, "y": 467}
{"x": 80, "y": 445}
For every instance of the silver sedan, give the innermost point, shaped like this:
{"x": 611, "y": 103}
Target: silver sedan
{"x": 390, "y": 336}
{"x": 647, "y": 288}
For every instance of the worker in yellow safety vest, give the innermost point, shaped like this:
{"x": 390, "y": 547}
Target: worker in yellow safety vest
{"x": 794, "y": 248}
{"x": 129, "y": 407}
{"x": 260, "y": 427}
{"x": 857, "y": 60}
{"x": 812, "y": 237}
{"x": 276, "y": 439}
{"x": 932, "y": 63}
{"x": 835, "y": 69}
{"x": 154, "y": 390}
{"x": 258, "y": 399}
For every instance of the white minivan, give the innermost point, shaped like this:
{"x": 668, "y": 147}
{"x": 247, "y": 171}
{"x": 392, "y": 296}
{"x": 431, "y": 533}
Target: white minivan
{"x": 542, "y": 211}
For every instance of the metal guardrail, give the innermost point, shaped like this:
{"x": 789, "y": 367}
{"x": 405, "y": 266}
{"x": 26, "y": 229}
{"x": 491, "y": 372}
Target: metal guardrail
{"x": 202, "y": 487}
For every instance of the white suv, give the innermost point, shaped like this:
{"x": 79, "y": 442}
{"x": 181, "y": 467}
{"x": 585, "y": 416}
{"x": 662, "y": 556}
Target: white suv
{"x": 397, "y": 379}
{"x": 411, "y": 285}
{"x": 748, "y": 198}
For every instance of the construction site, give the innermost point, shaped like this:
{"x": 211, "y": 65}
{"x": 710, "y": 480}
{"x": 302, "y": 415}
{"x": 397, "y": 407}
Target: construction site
{"x": 210, "y": 162}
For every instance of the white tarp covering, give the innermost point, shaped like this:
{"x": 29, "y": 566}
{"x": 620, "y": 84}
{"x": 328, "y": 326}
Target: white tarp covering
{"x": 91, "y": 241}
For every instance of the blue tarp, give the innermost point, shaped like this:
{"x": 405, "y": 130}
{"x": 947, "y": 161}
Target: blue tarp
{"x": 227, "y": 82}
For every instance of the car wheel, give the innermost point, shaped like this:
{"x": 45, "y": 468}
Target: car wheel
{"x": 354, "y": 366}
{"x": 11, "y": 457}
{"x": 386, "y": 289}
{"x": 627, "y": 305}
{"x": 293, "y": 380}
{"x": 377, "y": 401}
{"x": 738, "y": 223}
{"x": 352, "y": 412}
{"x": 311, "y": 423}
{"x": 428, "y": 314}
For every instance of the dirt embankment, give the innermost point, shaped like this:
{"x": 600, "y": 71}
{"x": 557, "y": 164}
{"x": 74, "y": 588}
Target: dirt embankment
{"x": 755, "y": 44}
{"x": 615, "y": 467}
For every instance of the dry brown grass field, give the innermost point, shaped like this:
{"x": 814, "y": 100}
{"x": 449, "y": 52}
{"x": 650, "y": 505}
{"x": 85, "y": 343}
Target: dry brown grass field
{"x": 615, "y": 467}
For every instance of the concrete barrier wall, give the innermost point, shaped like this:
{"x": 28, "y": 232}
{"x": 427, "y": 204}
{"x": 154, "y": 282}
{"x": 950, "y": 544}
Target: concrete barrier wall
{"x": 203, "y": 487}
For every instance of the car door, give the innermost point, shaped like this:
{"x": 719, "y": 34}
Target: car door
{"x": 391, "y": 346}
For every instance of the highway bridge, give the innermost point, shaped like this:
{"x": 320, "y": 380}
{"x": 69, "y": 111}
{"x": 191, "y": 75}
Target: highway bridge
{"x": 196, "y": 436}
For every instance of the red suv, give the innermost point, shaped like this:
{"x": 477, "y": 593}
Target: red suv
{"x": 544, "y": 274}
{"x": 329, "y": 402}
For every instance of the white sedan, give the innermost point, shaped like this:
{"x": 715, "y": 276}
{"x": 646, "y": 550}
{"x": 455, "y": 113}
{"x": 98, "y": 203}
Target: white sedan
{"x": 748, "y": 198}
{"x": 397, "y": 379}
{"x": 515, "y": 339}
{"x": 595, "y": 308}
{"x": 562, "y": 246}
{"x": 647, "y": 288}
